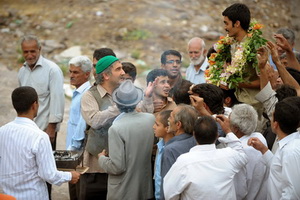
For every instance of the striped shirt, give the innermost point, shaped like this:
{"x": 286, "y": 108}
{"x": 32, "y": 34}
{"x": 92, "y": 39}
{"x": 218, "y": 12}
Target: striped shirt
{"x": 27, "y": 161}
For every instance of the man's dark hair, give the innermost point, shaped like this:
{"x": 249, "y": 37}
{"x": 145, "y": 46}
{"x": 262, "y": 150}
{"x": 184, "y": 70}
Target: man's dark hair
{"x": 164, "y": 116}
{"x": 295, "y": 73}
{"x": 285, "y": 91}
{"x": 102, "y": 52}
{"x": 126, "y": 109}
{"x": 287, "y": 114}
{"x": 163, "y": 58}
{"x": 153, "y": 74}
{"x": 181, "y": 94}
{"x": 205, "y": 130}
{"x": 130, "y": 69}
{"x": 212, "y": 95}
{"x": 210, "y": 51}
{"x": 288, "y": 34}
{"x": 238, "y": 12}
{"x": 230, "y": 93}
{"x": 23, "y": 98}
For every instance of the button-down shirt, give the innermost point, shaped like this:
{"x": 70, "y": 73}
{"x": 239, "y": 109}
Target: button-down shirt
{"x": 176, "y": 146}
{"x": 27, "y": 161}
{"x": 284, "y": 178}
{"x": 76, "y": 123}
{"x": 157, "y": 176}
{"x": 47, "y": 79}
{"x": 206, "y": 172}
{"x": 194, "y": 76}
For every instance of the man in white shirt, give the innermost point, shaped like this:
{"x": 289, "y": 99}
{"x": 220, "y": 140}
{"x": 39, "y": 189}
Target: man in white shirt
{"x": 284, "y": 177}
{"x": 47, "y": 79}
{"x": 199, "y": 62}
{"x": 26, "y": 158}
{"x": 206, "y": 172}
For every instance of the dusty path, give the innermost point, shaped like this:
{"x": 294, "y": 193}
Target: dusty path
{"x": 8, "y": 81}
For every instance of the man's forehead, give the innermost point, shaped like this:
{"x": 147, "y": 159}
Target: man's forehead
{"x": 172, "y": 57}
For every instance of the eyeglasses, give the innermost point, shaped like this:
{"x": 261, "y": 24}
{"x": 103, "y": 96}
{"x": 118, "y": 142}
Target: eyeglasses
{"x": 173, "y": 61}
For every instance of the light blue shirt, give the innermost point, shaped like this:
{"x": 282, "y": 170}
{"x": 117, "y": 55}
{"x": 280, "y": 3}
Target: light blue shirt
{"x": 197, "y": 77}
{"x": 76, "y": 123}
{"x": 157, "y": 176}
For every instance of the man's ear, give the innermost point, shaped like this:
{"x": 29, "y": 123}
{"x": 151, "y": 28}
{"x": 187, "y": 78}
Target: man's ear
{"x": 105, "y": 76}
{"x": 205, "y": 52}
{"x": 178, "y": 125}
{"x": 237, "y": 24}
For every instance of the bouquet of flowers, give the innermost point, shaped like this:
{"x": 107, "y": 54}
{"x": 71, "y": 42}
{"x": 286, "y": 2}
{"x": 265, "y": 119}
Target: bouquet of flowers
{"x": 229, "y": 70}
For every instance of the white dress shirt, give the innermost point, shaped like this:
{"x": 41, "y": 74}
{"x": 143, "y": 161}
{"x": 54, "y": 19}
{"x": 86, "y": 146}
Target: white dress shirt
{"x": 47, "y": 79}
{"x": 27, "y": 161}
{"x": 284, "y": 178}
{"x": 256, "y": 170}
{"x": 206, "y": 172}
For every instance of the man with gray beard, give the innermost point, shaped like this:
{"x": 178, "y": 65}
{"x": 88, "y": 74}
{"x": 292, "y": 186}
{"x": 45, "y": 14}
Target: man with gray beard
{"x": 199, "y": 62}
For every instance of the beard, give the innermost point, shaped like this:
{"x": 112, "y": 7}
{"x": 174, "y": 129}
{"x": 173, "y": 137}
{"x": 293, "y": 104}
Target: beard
{"x": 198, "y": 61}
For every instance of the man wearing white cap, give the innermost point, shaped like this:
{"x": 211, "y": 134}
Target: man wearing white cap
{"x": 130, "y": 141}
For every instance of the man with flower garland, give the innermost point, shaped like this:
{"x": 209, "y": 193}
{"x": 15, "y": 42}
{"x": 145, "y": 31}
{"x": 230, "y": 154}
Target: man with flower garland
{"x": 237, "y": 22}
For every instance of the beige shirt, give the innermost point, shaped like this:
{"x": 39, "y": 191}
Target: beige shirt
{"x": 96, "y": 118}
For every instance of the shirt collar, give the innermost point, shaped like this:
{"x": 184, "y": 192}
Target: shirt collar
{"x": 203, "y": 66}
{"x": 287, "y": 139}
{"x": 203, "y": 147}
{"x": 38, "y": 63}
{"x": 83, "y": 87}
{"x": 102, "y": 91}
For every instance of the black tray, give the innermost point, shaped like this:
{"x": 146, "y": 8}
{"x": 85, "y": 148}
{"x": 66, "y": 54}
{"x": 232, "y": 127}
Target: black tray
{"x": 67, "y": 159}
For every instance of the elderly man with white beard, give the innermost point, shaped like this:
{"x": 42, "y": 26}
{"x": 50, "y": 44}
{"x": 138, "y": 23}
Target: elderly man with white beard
{"x": 199, "y": 62}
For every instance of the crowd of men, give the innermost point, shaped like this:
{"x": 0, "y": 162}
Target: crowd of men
{"x": 178, "y": 138}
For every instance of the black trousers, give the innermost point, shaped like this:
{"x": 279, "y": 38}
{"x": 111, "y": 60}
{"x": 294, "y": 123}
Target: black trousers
{"x": 93, "y": 186}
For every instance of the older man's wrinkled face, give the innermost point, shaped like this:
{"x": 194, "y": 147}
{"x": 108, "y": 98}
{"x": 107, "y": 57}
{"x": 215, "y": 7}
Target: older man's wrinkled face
{"x": 117, "y": 74}
{"x": 77, "y": 76}
{"x": 31, "y": 52}
{"x": 172, "y": 65}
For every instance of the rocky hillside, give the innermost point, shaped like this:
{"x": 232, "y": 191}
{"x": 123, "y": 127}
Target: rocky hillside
{"x": 138, "y": 30}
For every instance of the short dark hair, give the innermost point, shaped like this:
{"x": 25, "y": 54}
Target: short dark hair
{"x": 295, "y": 73}
{"x": 102, "y": 52}
{"x": 212, "y": 95}
{"x": 163, "y": 58}
{"x": 205, "y": 130}
{"x": 238, "y": 12}
{"x": 164, "y": 116}
{"x": 285, "y": 91}
{"x": 126, "y": 109}
{"x": 130, "y": 69}
{"x": 210, "y": 51}
{"x": 181, "y": 94}
{"x": 230, "y": 93}
{"x": 153, "y": 74}
{"x": 287, "y": 114}
{"x": 22, "y": 98}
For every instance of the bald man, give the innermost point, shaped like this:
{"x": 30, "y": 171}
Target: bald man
{"x": 199, "y": 62}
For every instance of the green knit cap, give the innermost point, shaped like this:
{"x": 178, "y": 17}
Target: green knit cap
{"x": 104, "y": 63}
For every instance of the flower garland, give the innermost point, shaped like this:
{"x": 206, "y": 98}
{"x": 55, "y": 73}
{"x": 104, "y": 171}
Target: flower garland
{"x": 223, "y": 72}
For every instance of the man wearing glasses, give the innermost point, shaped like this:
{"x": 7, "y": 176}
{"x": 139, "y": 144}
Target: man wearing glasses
{"x": 171, "y": 61}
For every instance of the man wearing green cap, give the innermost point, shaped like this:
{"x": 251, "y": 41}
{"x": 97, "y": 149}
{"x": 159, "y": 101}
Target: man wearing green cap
{"x": 98, "y": 110}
